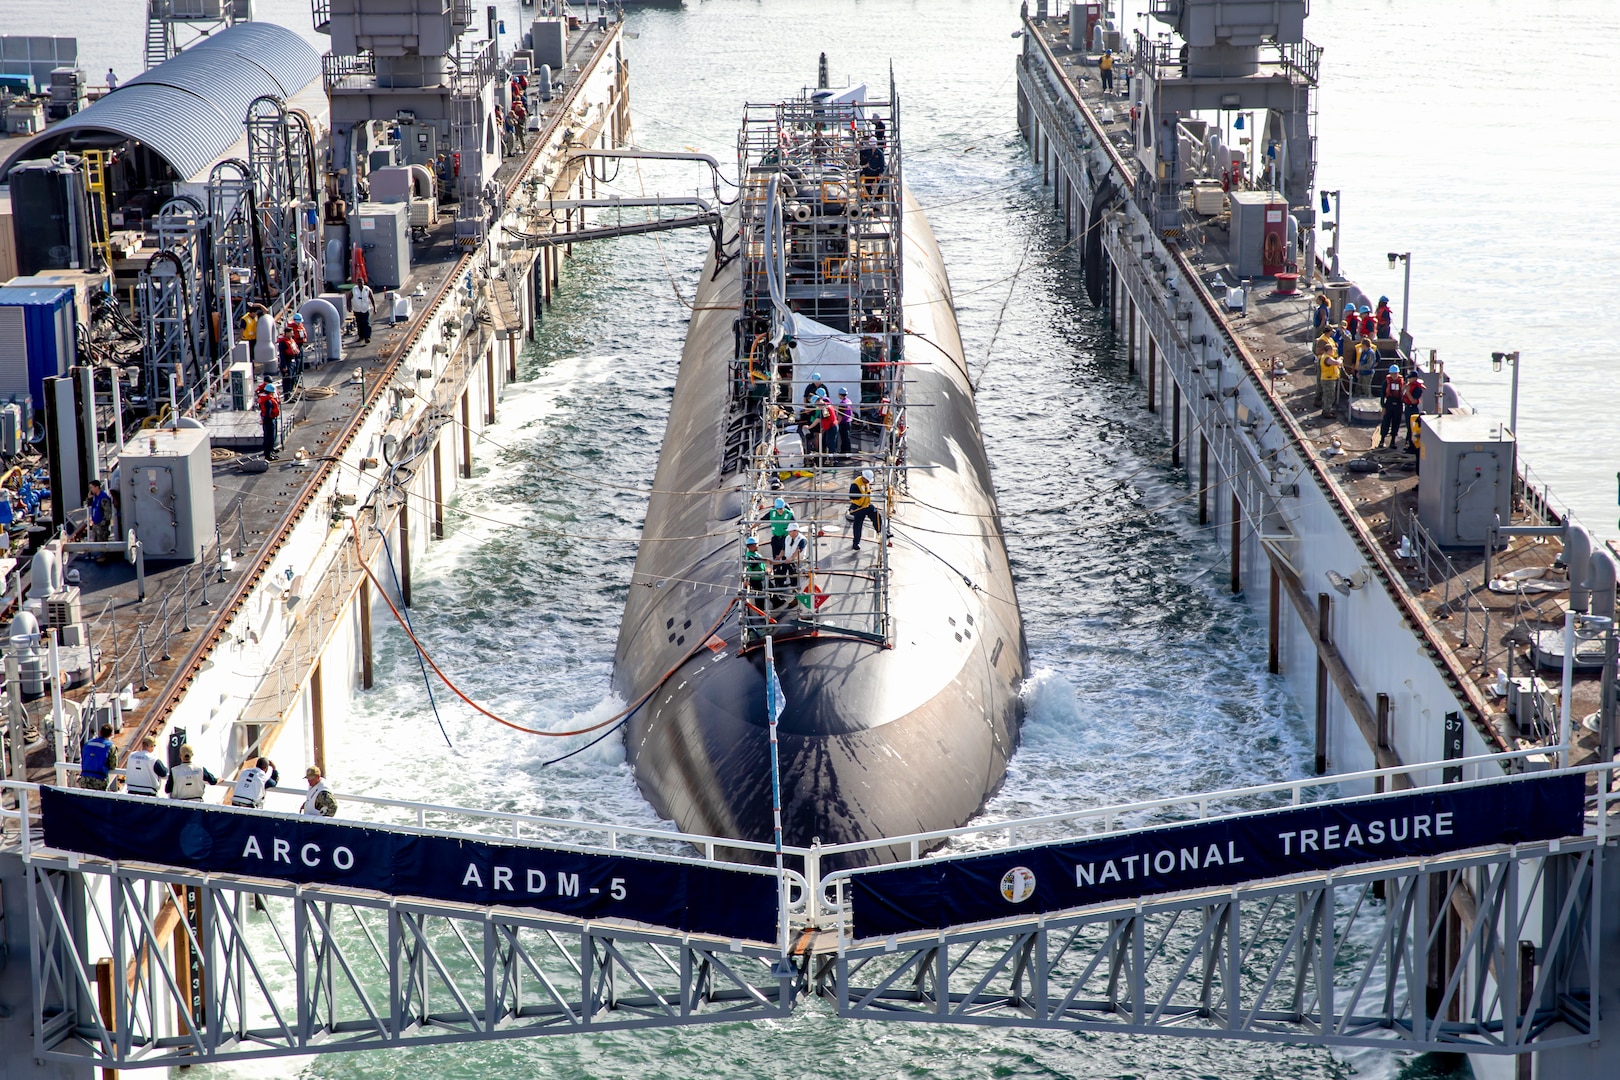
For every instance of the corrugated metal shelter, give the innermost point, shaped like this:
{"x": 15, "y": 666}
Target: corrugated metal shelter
{"x": 190, "y": 109}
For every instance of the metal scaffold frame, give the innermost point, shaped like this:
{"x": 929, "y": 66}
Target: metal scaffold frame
{"x": 200, "y": 966}
{"x": 281, "y": 161}
{"x": 175, "y": 294}
{"x": 1354, "y": 959}
{"x": 822, "y": 238}
{"x": 238, "y": 250}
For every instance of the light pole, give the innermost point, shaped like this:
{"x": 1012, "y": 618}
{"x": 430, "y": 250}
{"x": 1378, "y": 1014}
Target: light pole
{"x": 1406, "y": 295}
{"x": 1338, "y": 215}
{"x": 1513, "y": 408}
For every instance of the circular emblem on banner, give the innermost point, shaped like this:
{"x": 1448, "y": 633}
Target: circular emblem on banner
{"x": 1018, "y": 884}
{"x": 195, "y": 843}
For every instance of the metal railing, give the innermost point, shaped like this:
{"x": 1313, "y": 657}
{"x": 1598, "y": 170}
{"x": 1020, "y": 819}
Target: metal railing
{"x": 348, "y": 72}
{"x": 1458, "y": 599}
{"x": 1328, "y": 958}
{"x": 809, "y": 887}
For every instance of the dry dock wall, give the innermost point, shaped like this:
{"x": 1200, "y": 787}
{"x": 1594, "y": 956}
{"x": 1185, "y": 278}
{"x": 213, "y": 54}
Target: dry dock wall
{"x": 1349, "y": 656}
{"x": 307, "y": 619}
{"x": 1263, "y": 478}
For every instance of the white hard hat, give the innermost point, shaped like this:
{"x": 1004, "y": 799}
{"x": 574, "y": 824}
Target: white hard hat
{"x": 866, "y": 474}
{"x": 793, "y": 526}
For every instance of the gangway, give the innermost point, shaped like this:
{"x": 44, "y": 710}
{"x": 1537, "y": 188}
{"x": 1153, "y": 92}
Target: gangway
{"x": 1479, "y": 933}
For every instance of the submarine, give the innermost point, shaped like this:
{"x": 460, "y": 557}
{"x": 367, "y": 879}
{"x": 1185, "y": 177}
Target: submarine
{"x": 822, "y": 498}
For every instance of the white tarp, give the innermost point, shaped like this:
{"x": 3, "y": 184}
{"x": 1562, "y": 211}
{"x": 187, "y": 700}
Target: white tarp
{"x": 835, "y": 356}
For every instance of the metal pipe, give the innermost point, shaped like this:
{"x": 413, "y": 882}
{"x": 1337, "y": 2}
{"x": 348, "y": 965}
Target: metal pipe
{"x": 1601, "y": 578}
{"x": 331, "y": 324}
{"x": 1569, "y": 682}
{"x": 1577, "y": 559}
{"x": 55, "y": 671}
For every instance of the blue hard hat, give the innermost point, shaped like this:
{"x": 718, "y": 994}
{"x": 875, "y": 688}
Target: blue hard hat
{"x": 816, "y": 377}
{"x": 1394, "y": 369}
{"x": 781, "y": 504}
{"x": 1383, "y": 299}
{"x": 1365, "y": 310}
{"x": 297, "y": 317}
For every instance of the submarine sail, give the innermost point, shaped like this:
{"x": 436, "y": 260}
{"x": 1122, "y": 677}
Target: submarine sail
{"x": 823, "y": 482}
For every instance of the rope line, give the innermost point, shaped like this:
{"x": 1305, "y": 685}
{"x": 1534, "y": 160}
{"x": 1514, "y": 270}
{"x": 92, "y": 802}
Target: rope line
{"x": 623, "y": 714}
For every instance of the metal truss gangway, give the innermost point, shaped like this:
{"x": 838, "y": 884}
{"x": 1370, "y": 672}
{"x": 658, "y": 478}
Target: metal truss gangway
{"x": 1487, "y": 944}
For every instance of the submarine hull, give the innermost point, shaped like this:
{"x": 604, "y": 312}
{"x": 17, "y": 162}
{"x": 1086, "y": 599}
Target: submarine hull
{"x": 877, "y": 738}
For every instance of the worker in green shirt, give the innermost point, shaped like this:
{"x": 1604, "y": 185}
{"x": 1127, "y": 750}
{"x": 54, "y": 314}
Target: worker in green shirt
{"x": 778, "y": 517}
{"x": 754, "y": 567}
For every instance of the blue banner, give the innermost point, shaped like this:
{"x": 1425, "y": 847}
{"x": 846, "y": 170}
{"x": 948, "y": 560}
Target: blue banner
{"x": 1208, "y": 854}
{"x": 694, "y": 897}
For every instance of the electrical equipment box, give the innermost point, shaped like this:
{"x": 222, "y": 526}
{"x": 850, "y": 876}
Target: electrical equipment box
{"x": 167, "y": 488}
{"x": 418, "y": 144}
{"x": 1465, "y": 479}
{"x": 36, "y": 341}
{"x": 382, "y": 157}
{"x": 1259, "y": 233}
{"x": 242, "y": 393}
{"x": 63, "y": 608}
{"x": 383, "y": 231}
{"x": 391, "y": 185}
{"x": 13, "y": 427}
{"x": 549, "y": 37}
{"x": 50, "y": 217}
{"x": 1530, "y": 702}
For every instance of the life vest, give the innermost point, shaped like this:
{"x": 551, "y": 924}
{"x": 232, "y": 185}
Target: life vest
{"x": 1394, "y": 388}
{"x": 1414, "y": 391}
{"x": 1106, "y": 63}
{"x": 93, "y": 759}
{"x": 140, "y": 774}
{"x": 249, "y": 789}
{"x": 779, "y": 520}
{"x": 250, "y": 327}
{"x": 187, "y": 782}
{"x": 269, "y": 406}
{"x": 1352, "y": 324}
{"x": 1330, "y": 369}
{"x": 860, "y": 494}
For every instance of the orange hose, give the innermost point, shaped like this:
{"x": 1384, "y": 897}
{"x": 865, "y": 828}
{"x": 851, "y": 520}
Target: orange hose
{"x": 615, "y": 718}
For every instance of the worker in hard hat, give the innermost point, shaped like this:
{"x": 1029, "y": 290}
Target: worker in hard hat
{"x": 269, "y": 406}
{"x": 789, "y": 569}
{"x": 778, "y": 517}
{"x": 860, "y": 506}
{"x": 754, "y": 568}
{"x": 1394, "y": 399}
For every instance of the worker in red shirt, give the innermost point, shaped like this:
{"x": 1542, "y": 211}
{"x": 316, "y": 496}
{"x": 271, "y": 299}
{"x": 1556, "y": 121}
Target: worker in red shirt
{"x": 269, "y": 406}
{"x": 1412, "y": 399}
